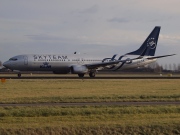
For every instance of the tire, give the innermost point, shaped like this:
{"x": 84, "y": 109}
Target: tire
{"x": 81, "y": 75}
{"x": 92, "y": 74}
{"x": 19, "y": 74}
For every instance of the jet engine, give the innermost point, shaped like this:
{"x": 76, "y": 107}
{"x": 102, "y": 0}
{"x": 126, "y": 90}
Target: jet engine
{"x": 79, "y": 69}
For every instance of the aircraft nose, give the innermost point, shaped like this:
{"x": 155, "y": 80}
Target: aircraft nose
{"x": 6, "y": 64}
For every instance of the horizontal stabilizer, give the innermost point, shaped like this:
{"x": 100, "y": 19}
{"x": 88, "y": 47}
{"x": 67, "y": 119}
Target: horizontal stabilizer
{"x": 156, "y": 57}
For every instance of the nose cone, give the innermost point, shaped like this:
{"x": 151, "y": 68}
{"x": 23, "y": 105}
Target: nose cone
{"x": 6, "y": 64}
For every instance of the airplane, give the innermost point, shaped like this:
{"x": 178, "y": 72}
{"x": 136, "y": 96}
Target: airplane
{"x": 82, "y": 64}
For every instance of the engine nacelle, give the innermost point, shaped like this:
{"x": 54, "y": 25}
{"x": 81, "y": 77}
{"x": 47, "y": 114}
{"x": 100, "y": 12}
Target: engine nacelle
{"x": 79, "y": 69}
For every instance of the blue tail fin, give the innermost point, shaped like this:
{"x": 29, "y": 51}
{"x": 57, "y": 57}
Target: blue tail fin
{"x": 148, "y": 48}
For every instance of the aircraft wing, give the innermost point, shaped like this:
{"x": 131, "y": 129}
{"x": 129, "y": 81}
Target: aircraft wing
{"x": 156, "y": 57}
{"x": 103, "y": 64}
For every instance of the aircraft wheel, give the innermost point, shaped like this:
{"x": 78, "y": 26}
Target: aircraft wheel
{"x": 19, "y": 74}
{"x": 92, "y": 74}
{"x": 81, "y": 75}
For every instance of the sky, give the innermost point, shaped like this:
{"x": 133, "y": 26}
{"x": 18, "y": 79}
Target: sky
{"x": 87, "y": 26}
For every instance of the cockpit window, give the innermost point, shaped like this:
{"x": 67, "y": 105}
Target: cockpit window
{"x": 13, "y": 59}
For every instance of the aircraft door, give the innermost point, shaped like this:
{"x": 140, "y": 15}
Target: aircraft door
{"x": 78, "y": 61}
{"x": 25, "y": 60}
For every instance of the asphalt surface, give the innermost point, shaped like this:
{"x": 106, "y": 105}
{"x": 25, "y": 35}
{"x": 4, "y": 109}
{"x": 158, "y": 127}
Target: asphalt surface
{"x": 94, "y": 104}
{"x": 100, "y": 77}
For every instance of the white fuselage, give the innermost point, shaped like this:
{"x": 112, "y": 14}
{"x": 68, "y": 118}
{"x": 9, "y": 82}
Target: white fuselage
{"x": 62, "y": 63}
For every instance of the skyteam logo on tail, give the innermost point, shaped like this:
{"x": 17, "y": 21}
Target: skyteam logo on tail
{"x": 151, "y": 43}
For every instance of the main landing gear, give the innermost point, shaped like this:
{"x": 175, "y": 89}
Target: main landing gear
{"x": 92, "y": 74}
{"x": 81, "y": 75}
{"x": 19, "y": 75}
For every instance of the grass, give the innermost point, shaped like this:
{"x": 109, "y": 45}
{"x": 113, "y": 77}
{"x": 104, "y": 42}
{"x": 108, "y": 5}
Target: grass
{"x": 90, "y": 120}
{"x": 35, "y": 91}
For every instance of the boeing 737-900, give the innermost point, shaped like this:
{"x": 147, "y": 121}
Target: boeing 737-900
{"x": 82, "y": 63}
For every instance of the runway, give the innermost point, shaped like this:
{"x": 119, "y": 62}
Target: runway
{"x": 98, "y": 77}
{"x": 80, "y": 104}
